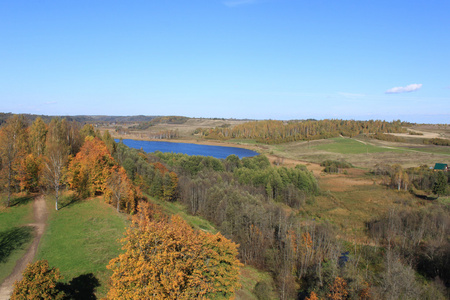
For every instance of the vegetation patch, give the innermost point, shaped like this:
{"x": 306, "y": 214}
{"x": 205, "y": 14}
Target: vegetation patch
{"x": 351, "y": 146}
{"x": 335, "y": 166}
{"x": 15, "y": 237}
{"x": 81, "y": 239}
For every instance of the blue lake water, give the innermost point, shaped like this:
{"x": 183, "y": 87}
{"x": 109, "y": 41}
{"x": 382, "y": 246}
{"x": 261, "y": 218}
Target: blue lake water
{"x": 189, "y": 149}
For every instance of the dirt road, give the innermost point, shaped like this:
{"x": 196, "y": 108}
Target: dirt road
{"x": 40, "y": 217}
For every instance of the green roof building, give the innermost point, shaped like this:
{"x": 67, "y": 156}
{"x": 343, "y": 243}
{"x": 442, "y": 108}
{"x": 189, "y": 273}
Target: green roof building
{"x": 441, "y": 167}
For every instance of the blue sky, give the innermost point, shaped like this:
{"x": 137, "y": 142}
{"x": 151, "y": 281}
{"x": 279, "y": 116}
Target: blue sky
{"x": 261, "y": 59}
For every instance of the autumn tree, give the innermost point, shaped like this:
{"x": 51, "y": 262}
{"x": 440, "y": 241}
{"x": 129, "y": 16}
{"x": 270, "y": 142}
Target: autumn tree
{"x": 38, "y": 282}
{"x": 90, "y": 169}
{"x": 118, "y": 185}
{"x": 312, "y": 296}
{"x": 29, "y": 173}
{"x": 338, "y": 291}
{"x": 37, "y": 137}
{"x": 12, "y": 149}
{"x": 167, "y": 259}
{"x": 56, "y": 155}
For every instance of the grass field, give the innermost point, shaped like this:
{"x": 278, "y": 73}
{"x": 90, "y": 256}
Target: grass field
{"x": 350, "y": 209}
{"x": 173, "y": 208}
{"x": 434, "y": 149}
{"x": 351, "y": 146}
{"x": 15, "y": 237}
{"x": 80, "y": 239}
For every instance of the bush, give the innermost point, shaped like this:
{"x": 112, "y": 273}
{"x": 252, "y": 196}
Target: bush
{"x": 333, "y": 166}
{"x": 262, "y": 290}
{"x": 38, "y": 282}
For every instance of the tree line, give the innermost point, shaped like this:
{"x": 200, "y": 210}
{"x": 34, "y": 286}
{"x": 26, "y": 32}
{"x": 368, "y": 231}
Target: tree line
{"x": 275, "y": 132}
{"x": 420, "y": 179}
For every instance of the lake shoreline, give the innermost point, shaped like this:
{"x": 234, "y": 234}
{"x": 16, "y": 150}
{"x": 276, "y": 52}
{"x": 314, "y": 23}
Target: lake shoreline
{"x": 220, "y": 151}
{"x": 256, "y": 148}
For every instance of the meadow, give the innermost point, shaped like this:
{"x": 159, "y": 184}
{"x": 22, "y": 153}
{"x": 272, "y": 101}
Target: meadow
{"x": 81, "y": 238}
{"x": 15, "y": 235}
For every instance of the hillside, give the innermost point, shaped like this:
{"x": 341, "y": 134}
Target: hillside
{"x": 307, "y": 214}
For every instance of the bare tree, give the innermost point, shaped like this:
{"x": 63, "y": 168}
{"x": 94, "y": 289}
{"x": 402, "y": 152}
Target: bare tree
{"x": 56, "y": 156}
{"x": 118, "y": 185}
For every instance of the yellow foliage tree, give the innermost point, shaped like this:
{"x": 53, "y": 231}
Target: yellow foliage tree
{"x": 38, "y": 282}
{"x": 167, "y": 259}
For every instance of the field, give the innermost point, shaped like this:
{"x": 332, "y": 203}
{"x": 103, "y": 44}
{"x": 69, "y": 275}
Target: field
{"x": 15, "y": 236}
{"x": 363, "y": 153}
{"x": 81, "y": 238}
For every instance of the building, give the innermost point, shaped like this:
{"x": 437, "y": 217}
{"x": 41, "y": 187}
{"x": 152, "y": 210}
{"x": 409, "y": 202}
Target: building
{"x": 441, "y": 167}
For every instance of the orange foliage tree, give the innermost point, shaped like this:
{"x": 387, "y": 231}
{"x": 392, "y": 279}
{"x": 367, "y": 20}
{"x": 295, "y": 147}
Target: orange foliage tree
{"x": 312, "y": 296}
{"x": 38, "y": 282}
{"x": 167, "y": 259}
{"x": 90, "y": 169}
{"x": 29, "y": 173}
{"x": 338, "y": 291}
{"x": 120, "y": 190}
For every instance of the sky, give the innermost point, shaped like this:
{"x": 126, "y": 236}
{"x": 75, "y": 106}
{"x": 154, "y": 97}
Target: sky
{"x": 255, "y": 59}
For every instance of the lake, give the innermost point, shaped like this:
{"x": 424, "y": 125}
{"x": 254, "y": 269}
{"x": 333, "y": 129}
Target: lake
{"x": 189, "y": 149}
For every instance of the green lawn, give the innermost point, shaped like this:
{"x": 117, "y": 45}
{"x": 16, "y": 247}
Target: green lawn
{"x": 351, "y": 146}
{"x": 81, "y": 238}
{"x": 15, "y": 237}
{"x": 173, "y": 208}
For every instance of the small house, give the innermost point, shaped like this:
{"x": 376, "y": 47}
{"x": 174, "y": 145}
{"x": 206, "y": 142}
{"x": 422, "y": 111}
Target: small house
{"x": 441, "y": 167}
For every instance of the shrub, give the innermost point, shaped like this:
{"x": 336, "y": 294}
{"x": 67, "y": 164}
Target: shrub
{"x": 38, "y": 282}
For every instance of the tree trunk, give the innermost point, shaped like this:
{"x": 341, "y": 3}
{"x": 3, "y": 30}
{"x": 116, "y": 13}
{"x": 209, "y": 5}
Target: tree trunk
{"x": 9, "y": 189}
{"x": 56, "y": 196}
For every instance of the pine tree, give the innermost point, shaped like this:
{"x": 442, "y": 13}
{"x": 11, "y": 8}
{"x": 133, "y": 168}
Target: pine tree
{"x": 440, "y": 185}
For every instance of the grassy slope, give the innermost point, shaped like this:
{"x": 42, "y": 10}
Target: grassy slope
{"x": 14, "y": 236}
{"x": 82, "y": 238}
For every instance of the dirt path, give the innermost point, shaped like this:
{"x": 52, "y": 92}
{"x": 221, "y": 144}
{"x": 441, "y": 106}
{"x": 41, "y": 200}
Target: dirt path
{"x": 40, "y": 217}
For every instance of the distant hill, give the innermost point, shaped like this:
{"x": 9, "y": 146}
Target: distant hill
{"x": 84, "y": 119}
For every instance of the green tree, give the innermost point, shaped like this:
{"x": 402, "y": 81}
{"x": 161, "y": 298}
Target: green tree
{"x": 440, "y": 185}
{"x": 38, "y": 282}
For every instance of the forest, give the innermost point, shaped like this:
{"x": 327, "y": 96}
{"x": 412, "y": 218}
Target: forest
{"x": 275, "y": 132}
{"x": 256, "y": 206}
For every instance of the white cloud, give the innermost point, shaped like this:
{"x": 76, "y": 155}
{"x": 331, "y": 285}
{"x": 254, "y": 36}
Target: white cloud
{"x": 234, "y": 3}
{"x": 404, "y": 89}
